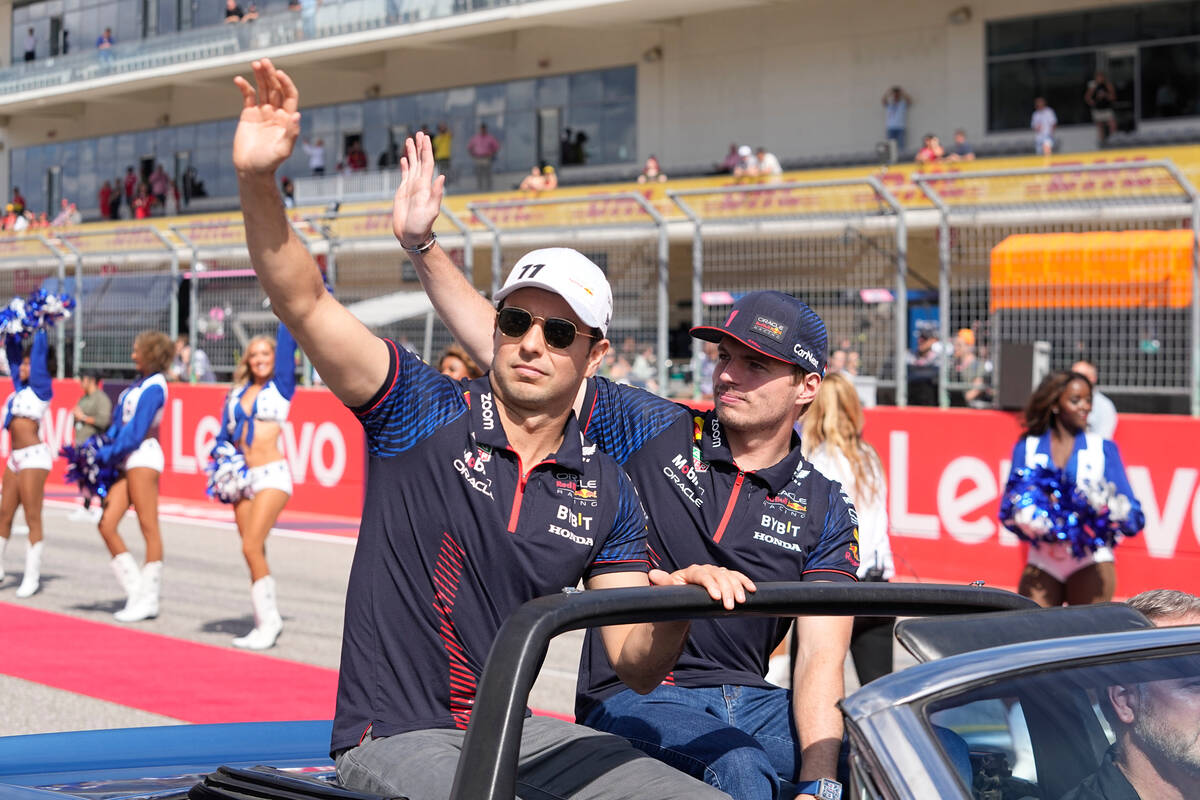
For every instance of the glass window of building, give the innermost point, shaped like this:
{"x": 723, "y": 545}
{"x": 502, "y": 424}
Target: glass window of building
{"x": 1149, "y": 51}
{"x": 600, "y": 108}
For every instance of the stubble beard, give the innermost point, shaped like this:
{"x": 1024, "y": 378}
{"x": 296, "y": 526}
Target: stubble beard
{"x": 1166, "y": 746}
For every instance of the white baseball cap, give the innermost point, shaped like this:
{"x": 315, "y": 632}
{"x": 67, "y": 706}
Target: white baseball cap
{"x": 745, "y": 150}
{"x": 569, "y": 274}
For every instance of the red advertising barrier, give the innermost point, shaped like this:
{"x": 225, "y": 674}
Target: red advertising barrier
{"x": 946, "y": 470}
{"x": 322, "y": 441}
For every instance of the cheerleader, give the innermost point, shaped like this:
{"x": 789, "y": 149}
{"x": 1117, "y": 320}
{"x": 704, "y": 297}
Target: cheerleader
{"x": 1056, "y": 438}
{"x": 134, "y": 450}
{"x": 252, "y": 422}
{"x": 31, "y": 459}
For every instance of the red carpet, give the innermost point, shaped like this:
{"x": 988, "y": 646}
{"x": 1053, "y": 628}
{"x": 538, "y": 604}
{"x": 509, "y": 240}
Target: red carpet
{"x": 173, "y": 677}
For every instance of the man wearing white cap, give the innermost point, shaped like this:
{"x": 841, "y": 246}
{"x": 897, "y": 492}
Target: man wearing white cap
{"x": 728, "y": 486}
{"x": 487, "y": 477}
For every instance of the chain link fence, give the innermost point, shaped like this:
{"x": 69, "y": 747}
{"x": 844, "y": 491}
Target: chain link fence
{"x": 627, "y": 238}
{"x": 841, "y": 246}
{"x": 30, "y": 263}
{"x": 1099, "y": 261}
{"x": 371, "y": 274}
{"x": 125, "y": 281}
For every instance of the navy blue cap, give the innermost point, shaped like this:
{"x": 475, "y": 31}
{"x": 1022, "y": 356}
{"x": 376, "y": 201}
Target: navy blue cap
{"x": 777, "y": 325}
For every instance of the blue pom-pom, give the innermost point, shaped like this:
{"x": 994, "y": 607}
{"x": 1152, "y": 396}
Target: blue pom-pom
{"x": 42, "y": 310}
{"x": 88, "y": 470}
{"x": 228, "y": 475}
{"x": 1041, "y": 504}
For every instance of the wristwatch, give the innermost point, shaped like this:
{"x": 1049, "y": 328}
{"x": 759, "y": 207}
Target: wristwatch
{"x": 824, "y": 789}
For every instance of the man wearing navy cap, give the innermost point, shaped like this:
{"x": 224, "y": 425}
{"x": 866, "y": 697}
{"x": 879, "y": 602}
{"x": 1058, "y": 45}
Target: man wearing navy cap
{"x": 731, "y": 487}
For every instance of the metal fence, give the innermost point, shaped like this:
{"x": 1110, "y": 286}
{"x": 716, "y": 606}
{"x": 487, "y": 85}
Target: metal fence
{"x": 627, "y": 238}
{"x": 1055, "y": 255}
{"x": 30, "y": 264}
{"x": 371, "y": 274}
{"x": 1099, "y": 261}
{"x": 125, "y": 281}
{"x": 839, "y": 245}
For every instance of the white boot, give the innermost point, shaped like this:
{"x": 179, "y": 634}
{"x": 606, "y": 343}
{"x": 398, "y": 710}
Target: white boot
{"x": 267, "y": 622}
{"x": 126, "y": 570}
{"x": 33, "y": 571}
{"x": 143, "y": 603}
{"x": 3, "y": 547}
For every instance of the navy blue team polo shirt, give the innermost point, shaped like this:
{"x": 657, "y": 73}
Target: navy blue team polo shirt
{"x": 784, "y": 523}
{"x": 456, "y": 533}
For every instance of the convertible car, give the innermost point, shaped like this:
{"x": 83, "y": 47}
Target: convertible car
{"x": 1003, "y": 704}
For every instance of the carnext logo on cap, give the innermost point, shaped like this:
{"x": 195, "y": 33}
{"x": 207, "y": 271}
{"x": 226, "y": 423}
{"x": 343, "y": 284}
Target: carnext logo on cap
{"x": 803, "y": 352}
{"x": 769, "y": 328}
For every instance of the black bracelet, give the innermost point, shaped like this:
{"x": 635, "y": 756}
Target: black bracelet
{"x": 421, "y": 248}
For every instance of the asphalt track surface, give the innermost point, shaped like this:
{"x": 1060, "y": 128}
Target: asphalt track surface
{"x": 66, "y": 664}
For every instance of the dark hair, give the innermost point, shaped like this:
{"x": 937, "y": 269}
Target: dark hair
{"x": 94, "y": 374}
{"x": 1039, "y": 410}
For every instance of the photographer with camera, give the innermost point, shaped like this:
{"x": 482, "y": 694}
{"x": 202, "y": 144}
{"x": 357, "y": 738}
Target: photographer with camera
{"x": 832, "y": 441}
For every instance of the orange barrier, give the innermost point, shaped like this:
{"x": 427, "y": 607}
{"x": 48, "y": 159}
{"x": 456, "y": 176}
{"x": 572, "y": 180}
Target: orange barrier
{"x": 1108, "y": 269}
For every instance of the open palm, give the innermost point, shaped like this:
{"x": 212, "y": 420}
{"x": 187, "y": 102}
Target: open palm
{"x": 270, "y": 121}
{"x": 418, "y": 199}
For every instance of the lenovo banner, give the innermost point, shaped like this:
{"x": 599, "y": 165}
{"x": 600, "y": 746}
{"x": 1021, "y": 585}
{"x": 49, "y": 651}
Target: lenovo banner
{"x": 321, "y": 440}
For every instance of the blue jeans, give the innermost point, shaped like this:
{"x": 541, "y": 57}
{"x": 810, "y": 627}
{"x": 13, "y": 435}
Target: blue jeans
{"x": 899, "y": 135}
{"x": 739, "y": 739}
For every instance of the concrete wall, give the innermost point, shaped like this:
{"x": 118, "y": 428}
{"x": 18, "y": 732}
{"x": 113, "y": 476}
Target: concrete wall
{"x": 803, "y": 78}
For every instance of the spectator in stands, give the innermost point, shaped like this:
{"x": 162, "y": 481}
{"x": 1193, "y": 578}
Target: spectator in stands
{"x": 104, "y": 199}
{"x": 356, "y": 157}
{"x": 190, "y": 364}
{"x": 67, "y": 215}
{"x": 114, "y": 201}
{"x": 30, "y": 46}
{"x": 251, "y": 12}
{"x": 316, "y": 155}
{"x": 104, "y": 43}
{"x": 389, "y": 158}
{"x": 931, "y": 150}
{"x": 23, "y": 221}
{"x": 768, "y": 165}
{"x": 131, "y": 182}
{"x": 1102, "y": 420}
{"x": 747, "y": 165}
{"x": 288, "y": 191}
{"x": 18, "y": 200}
{"x": 923, "y": 366}
{"x": 837, "y": 362}
{"x": 1100, "y": 96}
{"x": 483, "y": 147}
{"x": 896, "y": 103}
{"x": 233, "y": 11}
{"x": 961, "y": 150}
{"x": 308, "y": 18}
{"x": 1044, "y": 123}
{"x": 541, "y": 178}
{"x": 456, "y": 364}
{"x": 969, "y": 369}
{"x": 142, "y": 202}
{"x": 443, "y": 149}
{"x": 732, "y": 159}
{"x": 160, "y": 184}
{"x": 10, "y": 217}
{"x": 651, "y": 172}
{"x": 1167, "y": 607}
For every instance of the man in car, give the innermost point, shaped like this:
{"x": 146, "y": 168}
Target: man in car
{"x": 480, "y": 495}
{"x": 729, "y": 484}
{"x": 1165, "y": 607}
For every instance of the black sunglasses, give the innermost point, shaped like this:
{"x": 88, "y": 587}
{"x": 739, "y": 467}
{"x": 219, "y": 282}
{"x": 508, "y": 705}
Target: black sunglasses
{"x": 559, "y": 333}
